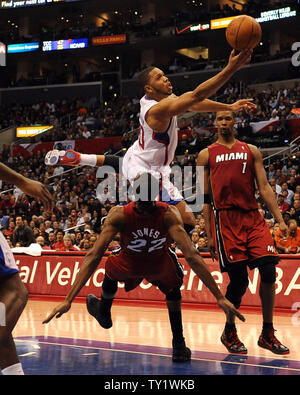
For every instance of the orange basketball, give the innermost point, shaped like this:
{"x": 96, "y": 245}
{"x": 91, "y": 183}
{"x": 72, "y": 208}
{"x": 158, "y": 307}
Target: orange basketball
{"x": 243, "y": 32}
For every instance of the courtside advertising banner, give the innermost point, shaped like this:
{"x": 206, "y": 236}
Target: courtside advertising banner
{"x": 52, "y": 274}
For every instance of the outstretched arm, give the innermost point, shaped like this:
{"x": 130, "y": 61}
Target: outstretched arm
{"x": 159, "y": 115}
{"x": 214, "y": 106}
{"x": 30, "y": 187}
{"x": 176, "y": 230}
{"x": 113, "y": 224}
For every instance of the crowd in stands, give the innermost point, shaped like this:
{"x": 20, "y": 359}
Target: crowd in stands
{"x": 78, "y": 214}
{"x": 85, "y": 118}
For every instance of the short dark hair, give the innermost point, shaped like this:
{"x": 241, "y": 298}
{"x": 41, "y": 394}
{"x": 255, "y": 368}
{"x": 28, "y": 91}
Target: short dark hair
{"x": 143, "y": 77}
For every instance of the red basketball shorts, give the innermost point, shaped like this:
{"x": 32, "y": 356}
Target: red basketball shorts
{"x": 242, "y": 236}
{"x": 165, "y": 272}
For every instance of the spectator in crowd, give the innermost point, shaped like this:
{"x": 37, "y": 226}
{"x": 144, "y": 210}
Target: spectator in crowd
{"x": 41, "y": 241}
{"x": 23, "y": 234}
{"x": 195, "y": 238}
{"x": 290, "y": 244}
{"x": 202, "y": 245}
{"x": 51, "y": 240}
{"x": 59, "y": 245}
{"x": 282, "y": 205}
{"x": 68, "y": 244}
{"x": 85, "y": 246}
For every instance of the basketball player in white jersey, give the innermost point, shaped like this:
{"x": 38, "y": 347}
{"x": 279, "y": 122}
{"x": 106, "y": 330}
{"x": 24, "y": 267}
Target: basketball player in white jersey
{"x": 13, "y": 293}
{"x": 155, "y": 148}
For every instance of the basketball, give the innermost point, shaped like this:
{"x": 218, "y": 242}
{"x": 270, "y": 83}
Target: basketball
{"x": 243, "y": 32}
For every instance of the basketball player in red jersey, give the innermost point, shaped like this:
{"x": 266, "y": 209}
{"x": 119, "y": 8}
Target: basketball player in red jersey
{"x": 240, "y": 234}
{"x": 147, "y": 228}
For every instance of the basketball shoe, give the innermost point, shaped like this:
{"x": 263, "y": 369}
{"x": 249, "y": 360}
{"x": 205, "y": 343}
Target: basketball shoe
{"x": 232, "y": 342}
{"x": 269, "y": 341}
{"x": 181, "y": 353}
{"x": 100, "y": 309}
{"x": 65, "y": 158}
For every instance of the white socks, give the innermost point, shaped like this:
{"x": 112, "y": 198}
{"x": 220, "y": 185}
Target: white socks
{"x": 88, "y": 159}
{"x": 13, "y": 370}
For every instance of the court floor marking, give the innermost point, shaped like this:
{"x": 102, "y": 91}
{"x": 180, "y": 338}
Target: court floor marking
{"x": 168, "y": 356}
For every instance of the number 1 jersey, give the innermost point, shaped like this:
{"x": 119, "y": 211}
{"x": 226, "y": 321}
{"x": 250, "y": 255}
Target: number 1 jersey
{"x": 232, "y": 176}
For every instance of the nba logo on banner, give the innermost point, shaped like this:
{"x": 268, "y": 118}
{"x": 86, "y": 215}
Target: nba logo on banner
{"x": 2, "y": 54}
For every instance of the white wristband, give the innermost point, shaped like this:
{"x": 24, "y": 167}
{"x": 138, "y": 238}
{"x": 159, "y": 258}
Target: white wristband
{"x": 88, "y": 160}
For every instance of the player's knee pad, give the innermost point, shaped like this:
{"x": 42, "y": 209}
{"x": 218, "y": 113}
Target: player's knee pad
{"x": 175, "y": 294}
{"x": 268, "y": 272}
{"x": 237, "y": 287}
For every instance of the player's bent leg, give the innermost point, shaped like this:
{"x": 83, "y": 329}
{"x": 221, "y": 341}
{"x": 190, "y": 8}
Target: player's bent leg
{"x": 64, "y": 158}
{"x": 101, "y": 308}
{"x": 73, "y": 158}
{"x": 181, "y": 353}
{"x": 267, "y": 338}
{"x": 13, "y": 295}
{"x": 186, "y": 213}
{"x": 235, "y": 290}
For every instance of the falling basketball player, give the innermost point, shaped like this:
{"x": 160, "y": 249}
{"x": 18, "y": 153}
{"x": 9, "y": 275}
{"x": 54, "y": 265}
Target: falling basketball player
{"x": 239, "y": 233}
{"x": 155, "y": 148}
{"x": 147, "y": 228}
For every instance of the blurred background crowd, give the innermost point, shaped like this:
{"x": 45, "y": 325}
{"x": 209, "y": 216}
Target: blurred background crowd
{"x": 96, "y": 99}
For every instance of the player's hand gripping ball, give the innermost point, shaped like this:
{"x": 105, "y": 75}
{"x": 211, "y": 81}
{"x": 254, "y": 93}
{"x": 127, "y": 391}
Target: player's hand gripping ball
{"x": 243, "y": 32}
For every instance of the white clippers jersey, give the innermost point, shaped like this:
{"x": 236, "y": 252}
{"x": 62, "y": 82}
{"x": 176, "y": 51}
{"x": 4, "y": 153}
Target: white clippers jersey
{"x": 154, "y": 149}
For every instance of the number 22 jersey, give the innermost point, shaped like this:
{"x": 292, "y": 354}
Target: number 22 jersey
{"x": 145, "y": 237}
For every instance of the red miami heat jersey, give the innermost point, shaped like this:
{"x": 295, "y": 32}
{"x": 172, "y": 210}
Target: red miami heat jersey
{"x": 232, "y": 176}
{"x": 145, "y": 237}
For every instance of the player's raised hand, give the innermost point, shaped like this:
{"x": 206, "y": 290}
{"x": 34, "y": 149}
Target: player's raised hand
{"x": 237, "y": 61}
{"x": 58, "y": 311}
{"x": 244, "y": 104}
{"x": 229, "y": 308}
{"x": 38, "y": 190}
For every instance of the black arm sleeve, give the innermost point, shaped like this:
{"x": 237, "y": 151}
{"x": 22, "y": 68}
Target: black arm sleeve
{"x": 114, "y": 161}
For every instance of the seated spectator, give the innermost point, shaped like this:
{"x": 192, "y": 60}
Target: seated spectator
{"x": 282, "y": 205}
{"x": 68, "y": 244}
{"x": 85, "y": 245}
{"x": 92, "y": 240}
{"x": 59, "y": 244}
{"x": 296, "y": 211}
{"x": 51, "y": 240}
{"x": 195, "y": 238}
{"x": 7, "y": 201}
{"x": 289, "y": 192}
{"x": 202, "y": 245}
{"x": 9, "y": 242}
{"x": 291, "y": 243}
{"x": 10, "y": 231}
{"x": 23, "y": 234}
{"x": 41, "y": 241}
